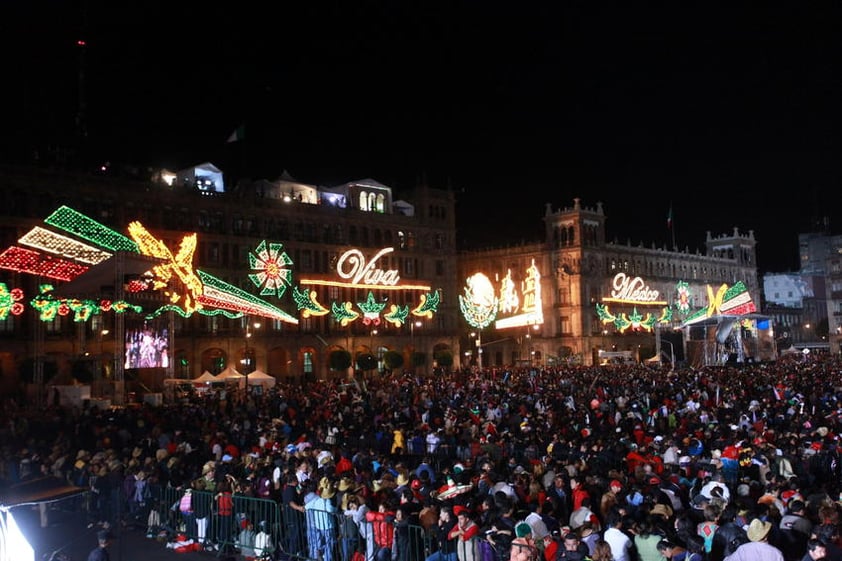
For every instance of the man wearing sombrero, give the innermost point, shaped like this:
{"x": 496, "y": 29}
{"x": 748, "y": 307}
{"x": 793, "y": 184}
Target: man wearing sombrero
{"x": 758, "y": 547}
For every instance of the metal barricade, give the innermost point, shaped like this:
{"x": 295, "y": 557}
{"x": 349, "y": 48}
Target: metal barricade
{"x": 254, "y": 526}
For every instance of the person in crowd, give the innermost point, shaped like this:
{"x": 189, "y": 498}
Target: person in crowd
{"x": 572, "y": 548}
{"x": 758, "y": 547}
{"x": 320, "y": 520}
{"x": 466, "y": 533}
{"x": 100, "y": 552}
{"x": 622, "y": 547}
{"x": 523, "y": 546}
{"x": 444, "y": 546}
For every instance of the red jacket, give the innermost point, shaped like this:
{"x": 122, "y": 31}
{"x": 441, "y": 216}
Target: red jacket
{"x": 384, "y": 529}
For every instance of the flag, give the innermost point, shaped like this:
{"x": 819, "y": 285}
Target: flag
{"x": 238, "y": 134}
{"x": 669, "y": 217}
{"x": 777, "y": 393}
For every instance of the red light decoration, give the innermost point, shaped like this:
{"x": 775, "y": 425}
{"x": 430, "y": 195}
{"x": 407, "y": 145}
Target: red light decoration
{"x": 23, "y": 260}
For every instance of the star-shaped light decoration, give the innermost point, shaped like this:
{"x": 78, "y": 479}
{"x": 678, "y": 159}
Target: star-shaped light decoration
{"x": 271, "y": 264}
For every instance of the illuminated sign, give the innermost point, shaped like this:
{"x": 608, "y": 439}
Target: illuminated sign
{"x": 530, "y": 311}
{"x": 632, "y": 290}
{"x": 635, "y": 291}
{"x": 356, "y": 271}
{"x": 513, "y": 304}
{"x": 479, "y": 303}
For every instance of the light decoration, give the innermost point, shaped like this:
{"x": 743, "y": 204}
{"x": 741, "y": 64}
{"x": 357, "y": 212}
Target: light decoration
{"x": 635, "y": 320}
{"x": 524, "y": 306}
{"x": 10, "y": 301}
{"x": 682, "y": 304}
{"x": 479, "y": 304}
{"x": 344, "y": 313}
{"x": 48, "y": 306}
{"x": 359, "y": 272}
{"x": 187, "y": 290}
{"x": 22, "y": 260}
{"x": 735, "y": 300}
{"x": 272, "y": 263}
{"x": 633, "y": 290}
{"x": 307, "y": 302}
{"x": 178, "y": 266}
{"x": 51, "y": 242}
{"x": 89, "y": 229}
{"x": 220, "y": 294}
{"x": 371, "y": 310}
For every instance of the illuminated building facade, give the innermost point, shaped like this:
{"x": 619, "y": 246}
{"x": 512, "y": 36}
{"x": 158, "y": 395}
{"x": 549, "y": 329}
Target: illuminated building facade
{"x": 199, "y": 266}
{"x": 597, "y": 295}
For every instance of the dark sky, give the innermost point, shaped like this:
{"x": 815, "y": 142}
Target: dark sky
{"x": 729, "y": 114}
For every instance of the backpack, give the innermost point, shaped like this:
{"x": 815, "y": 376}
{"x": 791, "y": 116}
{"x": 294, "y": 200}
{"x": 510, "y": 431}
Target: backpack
{"x": 186, "y": 503}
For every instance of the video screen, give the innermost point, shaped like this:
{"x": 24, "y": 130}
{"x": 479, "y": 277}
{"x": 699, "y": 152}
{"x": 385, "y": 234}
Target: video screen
{"x": 147, "y": 346}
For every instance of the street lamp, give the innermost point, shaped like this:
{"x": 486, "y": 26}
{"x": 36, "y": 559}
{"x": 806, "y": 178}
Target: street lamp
{"x": 412, "y": 326}
{"x": 478, "y": 343}
{"x": 247, "y": 360}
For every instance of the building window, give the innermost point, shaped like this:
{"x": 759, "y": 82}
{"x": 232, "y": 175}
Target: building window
{"x": 307, "y": 363}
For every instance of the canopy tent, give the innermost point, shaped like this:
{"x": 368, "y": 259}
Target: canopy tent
{"x": 205, "y": 377}
{"x": 259, "y": 377}
{"x": 229, "y": 374}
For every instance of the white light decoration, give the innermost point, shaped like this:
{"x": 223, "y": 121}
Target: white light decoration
{"x": 50, "y": 242}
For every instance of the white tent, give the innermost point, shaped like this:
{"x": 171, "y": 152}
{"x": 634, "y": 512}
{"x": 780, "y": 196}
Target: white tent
{"x": 205, "y": 377}
{"x": 258, "y": 377}
{"x": 230, "y": 374}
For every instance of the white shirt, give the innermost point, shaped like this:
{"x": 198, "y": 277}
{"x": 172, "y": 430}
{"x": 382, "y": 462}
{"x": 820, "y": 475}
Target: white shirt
{"x": 620, "y": 544}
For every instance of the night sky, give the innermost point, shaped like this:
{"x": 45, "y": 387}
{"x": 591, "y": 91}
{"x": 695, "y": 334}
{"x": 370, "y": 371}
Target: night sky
{"x": 728, "y": 114}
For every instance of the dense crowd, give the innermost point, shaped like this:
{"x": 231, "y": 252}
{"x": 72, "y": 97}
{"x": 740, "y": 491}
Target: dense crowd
{"x": 627, "y": 462}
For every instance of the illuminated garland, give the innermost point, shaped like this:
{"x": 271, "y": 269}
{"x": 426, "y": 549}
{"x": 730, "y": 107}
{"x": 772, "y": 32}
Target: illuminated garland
{"x": 635, "y": 320}
{"x": 10, "y": 301}
{"x": 49, "y": 307}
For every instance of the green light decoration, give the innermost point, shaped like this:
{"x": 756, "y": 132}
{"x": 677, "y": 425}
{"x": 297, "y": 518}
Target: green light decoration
{"x": 89, "y": 229}
{"x": 479, "y": 304}
{"x": 221, "y": 294}
{"x": 307, "y": 303}
{"x": 429, "y": 304}
{"x": 272, "y": 263}
{"x": 397, "y": 315}
{"x": 49, "y": 307}
{"x": 344, "y": 313}
{"x": 371, "y": 309}
{"x": 635, "y": 320}
{"x": 682, "y": 303}
{"x": 10, "y": 301}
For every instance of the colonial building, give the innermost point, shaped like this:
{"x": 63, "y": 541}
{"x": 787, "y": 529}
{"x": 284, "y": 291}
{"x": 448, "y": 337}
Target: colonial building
{"x": 597, "y": 295}
{"x": 291, "y": 273}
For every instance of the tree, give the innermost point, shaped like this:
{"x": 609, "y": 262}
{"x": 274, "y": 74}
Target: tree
{"x": 366, "y": 361}
{"x": 444, "y": 359}
{"x": 392, "y": 360}
{"x": 339, "y": 360}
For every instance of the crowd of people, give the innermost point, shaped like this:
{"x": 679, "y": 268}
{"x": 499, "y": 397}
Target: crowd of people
{"x": 627, "y": 462}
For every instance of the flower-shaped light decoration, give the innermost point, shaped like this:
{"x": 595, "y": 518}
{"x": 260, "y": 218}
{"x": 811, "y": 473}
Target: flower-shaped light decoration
{"x": 271, "y": 265}
{"x": 683, "y": 302}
